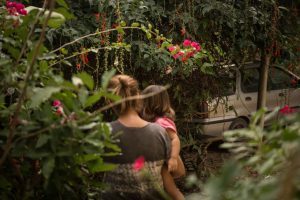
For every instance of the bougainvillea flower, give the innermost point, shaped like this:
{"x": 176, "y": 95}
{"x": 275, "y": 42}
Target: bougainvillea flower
{"x": 176, "y": 56}
{"x": 185, "y": 58}
{"x": 59, "y": 111}
{"x": 172, "y": 48}
{"x": 15, "y": 8}
{"x": 139, "y": 163}
{"x": 190, "y": 54}
{"x": 187, "y": 43}
{"x": 19, "y": 6}
{"x": 56, "y": 103}
{"x": 196, "y": 46}
{"x": 286, "y": 110}
{"x": 23, "y": 12}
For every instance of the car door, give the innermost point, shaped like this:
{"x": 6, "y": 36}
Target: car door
{"x": 285, "y": 88}
{"x": 249, "y": 91}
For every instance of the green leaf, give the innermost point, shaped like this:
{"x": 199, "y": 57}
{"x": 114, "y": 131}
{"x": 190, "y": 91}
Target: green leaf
{"x": 120, "y": 30}
{"x": 62, "y": 3}
{"x": 65, "y": 13}
{"x": 42, "y": 94}
{"x": 148, "y": 34}
{"x": 123, "y": 23}
{"x": 87, "y": 158}
{"x": 165, "y": 44}
{"x": 43, "y": 139}
{"x": 93, "y": 99}
{"x": 99, "y": 166}
{"x": 106, "y": 77}
{"x": 135, "y": 24}
{"x": 111, "y": 96}
{"x": 43, "y": 65}
{"x": 56, "y": 22}
{"x": 48, "y": 166}
{"x": 87, "y": 80}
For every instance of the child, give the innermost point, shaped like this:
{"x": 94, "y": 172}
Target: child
{"x": 157, "y": 108}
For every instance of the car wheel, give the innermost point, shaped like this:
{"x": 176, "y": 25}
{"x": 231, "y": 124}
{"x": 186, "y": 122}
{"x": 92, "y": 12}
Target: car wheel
{"x": 238, "y": 124}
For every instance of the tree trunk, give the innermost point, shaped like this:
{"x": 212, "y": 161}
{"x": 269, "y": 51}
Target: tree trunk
{"x": 266, "y": 54}
{"x": 263, "y": 82}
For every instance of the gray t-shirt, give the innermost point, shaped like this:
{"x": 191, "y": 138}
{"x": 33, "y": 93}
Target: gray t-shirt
{"x": 151, "y": 142}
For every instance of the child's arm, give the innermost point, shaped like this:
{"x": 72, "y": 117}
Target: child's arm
{"x": 175, "y": 149}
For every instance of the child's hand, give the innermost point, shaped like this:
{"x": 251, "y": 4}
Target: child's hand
{"x": 172, "y": 164}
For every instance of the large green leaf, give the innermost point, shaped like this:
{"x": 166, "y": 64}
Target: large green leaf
{"x": 106, "y": 77}
{"x": 43, "y": 139}
{"x": 65, "y": 13}
{"x": 86, "y": 79}
{"x": 62, "y": 3}
{"x": 42, "y": 94}
{"x": 48, "y": 166}
{"x": 93, "y": 99}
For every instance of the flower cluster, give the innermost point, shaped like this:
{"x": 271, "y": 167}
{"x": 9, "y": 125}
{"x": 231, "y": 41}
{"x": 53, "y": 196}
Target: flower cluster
{"x": 15, "y": 8}
{"x": 287, "y": 110}
{"x": 189, "y": 50}
{"x": 58, "y": 107}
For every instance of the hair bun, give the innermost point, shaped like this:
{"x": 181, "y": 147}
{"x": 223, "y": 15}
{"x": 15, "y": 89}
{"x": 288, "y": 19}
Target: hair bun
{"x": 123, "y": 82}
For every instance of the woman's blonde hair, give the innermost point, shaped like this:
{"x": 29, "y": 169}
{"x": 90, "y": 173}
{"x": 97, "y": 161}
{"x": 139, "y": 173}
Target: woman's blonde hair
{"x": 125, "y": 86}
{"x": 157, "y": 105}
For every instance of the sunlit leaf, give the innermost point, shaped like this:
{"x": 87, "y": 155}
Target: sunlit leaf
{"x": 87, "y": 79}
{"x": 106, "y": 77}
{"x": 42, "y": 94}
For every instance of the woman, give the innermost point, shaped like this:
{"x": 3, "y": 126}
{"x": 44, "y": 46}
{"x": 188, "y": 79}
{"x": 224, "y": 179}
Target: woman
{"x": 138, "y": 140}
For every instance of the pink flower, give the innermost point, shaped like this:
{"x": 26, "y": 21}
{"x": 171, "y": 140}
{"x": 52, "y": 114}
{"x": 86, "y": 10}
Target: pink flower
{"x": 196, "y": 46}
{"x": 15, "y": 8}
{"x": 187, "y": 43}
{"x": 59, "y": 111}
{"x": 172, "y": 48}
{"x": 180, "y": 53}
{"x": 286, "y": 110}
{"x": 19, "y": 6}
{"x": 139, "y": 163}
{"x": 10, "y": 4}
{"x": 190, "y": 54}
{"x": 184, "y": 58}
{"x": 56, "y": 103}
{"x": 176, "y": 56}
{"x": 23, "y": 12}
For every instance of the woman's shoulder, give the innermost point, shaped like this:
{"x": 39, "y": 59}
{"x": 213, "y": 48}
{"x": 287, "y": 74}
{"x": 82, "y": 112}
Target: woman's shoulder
{"x": 155, "y": 126}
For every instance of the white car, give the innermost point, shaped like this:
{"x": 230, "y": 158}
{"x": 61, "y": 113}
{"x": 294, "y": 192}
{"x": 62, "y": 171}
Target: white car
{"x": 235, "y": 110}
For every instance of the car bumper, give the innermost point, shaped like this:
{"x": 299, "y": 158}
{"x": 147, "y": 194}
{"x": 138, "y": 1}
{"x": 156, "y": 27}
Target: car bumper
{"x": 214, "y": 126}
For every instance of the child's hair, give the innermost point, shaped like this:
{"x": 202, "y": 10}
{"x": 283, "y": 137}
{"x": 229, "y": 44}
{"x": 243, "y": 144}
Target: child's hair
{"x": 157, "y": 105}
{"x": 124, "y": 86}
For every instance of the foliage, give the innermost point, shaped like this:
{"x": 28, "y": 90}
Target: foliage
{"x": 46, "y": 151}
{"x": 265, "y": 164}
{"x": 228, "y": 31}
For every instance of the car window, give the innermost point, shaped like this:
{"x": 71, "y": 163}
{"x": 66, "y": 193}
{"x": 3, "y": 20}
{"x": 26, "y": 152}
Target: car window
{"x": 280, "y": 79}
{"x": 250, "y": 80}
{"x": 229, "y": 83}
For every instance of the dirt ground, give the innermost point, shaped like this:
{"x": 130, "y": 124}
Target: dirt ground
{"x": 203, "y": 159}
